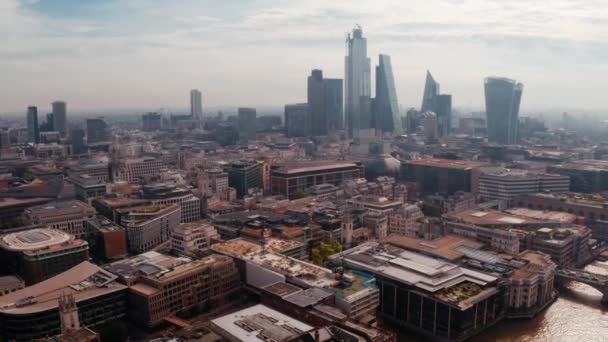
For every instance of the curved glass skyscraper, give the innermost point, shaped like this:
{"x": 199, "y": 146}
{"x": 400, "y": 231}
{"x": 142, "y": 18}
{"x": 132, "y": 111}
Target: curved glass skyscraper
{"x": 503, "y": 97}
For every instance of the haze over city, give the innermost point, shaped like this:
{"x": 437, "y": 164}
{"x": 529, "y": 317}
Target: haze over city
{"x": 146, "y": 54}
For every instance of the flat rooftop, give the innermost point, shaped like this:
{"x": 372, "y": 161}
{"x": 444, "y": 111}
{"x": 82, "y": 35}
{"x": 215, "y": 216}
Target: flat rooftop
{"x": 544, "y": 215}
{"x": 516, "y": 173}
{"x": 34, "y": 239}
{"x": 314, "y": 166}
{"x": 84, "y": 281}
{"x": 585, "y": 165}
{"x": 422, "y": 272}
{"x": 236, "y": 247}
{"x": 445, "y": 247}
{"x": 490, "y": 217}
{"x": 595, "y": 200}
{"x": 259, "y": 324}
{"x": 60, "y": 205}
{"x": 447, "y": 163}
{"x": 149, "y": 263}
{"x": 308, "y": 274}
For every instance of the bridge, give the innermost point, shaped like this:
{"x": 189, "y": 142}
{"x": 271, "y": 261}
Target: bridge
{"x": 597, "y": 281}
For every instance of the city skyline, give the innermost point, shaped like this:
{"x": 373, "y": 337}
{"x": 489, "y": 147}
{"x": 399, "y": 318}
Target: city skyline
{"x": 94, "y": 58}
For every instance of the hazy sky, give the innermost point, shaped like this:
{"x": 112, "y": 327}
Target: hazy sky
{"x": 101, "y": 54}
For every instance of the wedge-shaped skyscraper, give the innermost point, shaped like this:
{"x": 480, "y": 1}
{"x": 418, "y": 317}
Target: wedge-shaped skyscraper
{"x": 431, "y": 91}
{"x": 503, "y": 97}
{"x": 386, "y": 106}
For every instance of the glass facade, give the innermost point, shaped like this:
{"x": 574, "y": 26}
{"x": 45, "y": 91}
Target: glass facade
{"x": 503, "y": 97}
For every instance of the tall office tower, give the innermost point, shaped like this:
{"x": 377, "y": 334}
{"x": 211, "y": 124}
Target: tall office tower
{"x": 196, "y": 106}
{"x": 386, "y": 106}
{"x": 60, "y": 120}
{"x": 334, "y": 103}
{"x": 297, "y": 120}
{"x": 431, "y": 90}
{"x": 412, "y": 120}
{"x": 503, "y": 97}
{"x": 98, "y": 131}
{"x": 316, "y": 103}
{"x": 247, "y": 124}
{"x": 428, "y": 121}
{"x": 33, "y": 131}
{"x": 357, "y": 83}
{"x": 77, "y": 139}
{"x": 443, "y": 109}
{"x": 151, "y": 122}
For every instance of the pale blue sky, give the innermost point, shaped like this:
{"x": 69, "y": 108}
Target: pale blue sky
{"x": 99, "y": 54}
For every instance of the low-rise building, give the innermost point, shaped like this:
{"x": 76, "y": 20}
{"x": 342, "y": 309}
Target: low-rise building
{"x": 433, "y": 297}
{"x": 193, "y": 237}
{"x": 67, "y": 216}
{"x": 149, "y": 226}
{"x": 531, "y": 286}
{"x": 294, "y": 178}
{"x": 38, "y": 254}
{"x": 497, "y": 183}
{"x": 32, "y": 313}
{"x": 169, "y": 193}
{"x": 375, "y": 204}
{"x": 9, "y": 284}
{"x": 107, "y": 240}
{"x": 405, "y": 221}
{"x": 161, "y": 286}
{"x": 132, "y": 170}
{"x": 259, "y": 324}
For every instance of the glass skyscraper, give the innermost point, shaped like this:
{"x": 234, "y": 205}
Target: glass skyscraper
{"x": 503, "y": 97}
{"x": 316, "y": 102}
{"x": 386, "y": 106}
{"x": 431, "y": 90}
{"x": 33, "y": 130}
{"x": 334, "y": 103}
{"x": 357, "y": 83}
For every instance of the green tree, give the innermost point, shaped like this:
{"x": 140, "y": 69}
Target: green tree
{"x": 299, "y": 194}
{"x": 320, "y": 255}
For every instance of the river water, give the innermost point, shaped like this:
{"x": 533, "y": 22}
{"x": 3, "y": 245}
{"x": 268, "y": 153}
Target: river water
{"x": 577, "y": 315}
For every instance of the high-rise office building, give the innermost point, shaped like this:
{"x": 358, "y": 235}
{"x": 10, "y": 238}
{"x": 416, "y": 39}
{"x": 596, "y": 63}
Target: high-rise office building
{"x": 33, "y": 131}
{"x": 440, "y": 104}
{"x": 357, "y": 83}
{"x": 386, "y": 106}
{"x": 443, "y": 109}
{"x": 431, "y": 90}
{"x": 98, "y": 131}
{"x": 247, "y": 124}
{"x": 151, "y": 122}
{"x": 77, "y": 139}
{"x": 316, "y": 103}
{"x": 60, "y": 120}
{"x": 334, "y": 103}
{"x": 503, "y": 97}
{"x": 245, "y": 175}
{"x": 297, "y": 120}
{"x": 196, "y": 106}
{"x": 428, "y": 121}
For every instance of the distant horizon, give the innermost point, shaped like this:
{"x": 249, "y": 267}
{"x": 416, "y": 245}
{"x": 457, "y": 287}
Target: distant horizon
{"x": 104, "y": 54}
